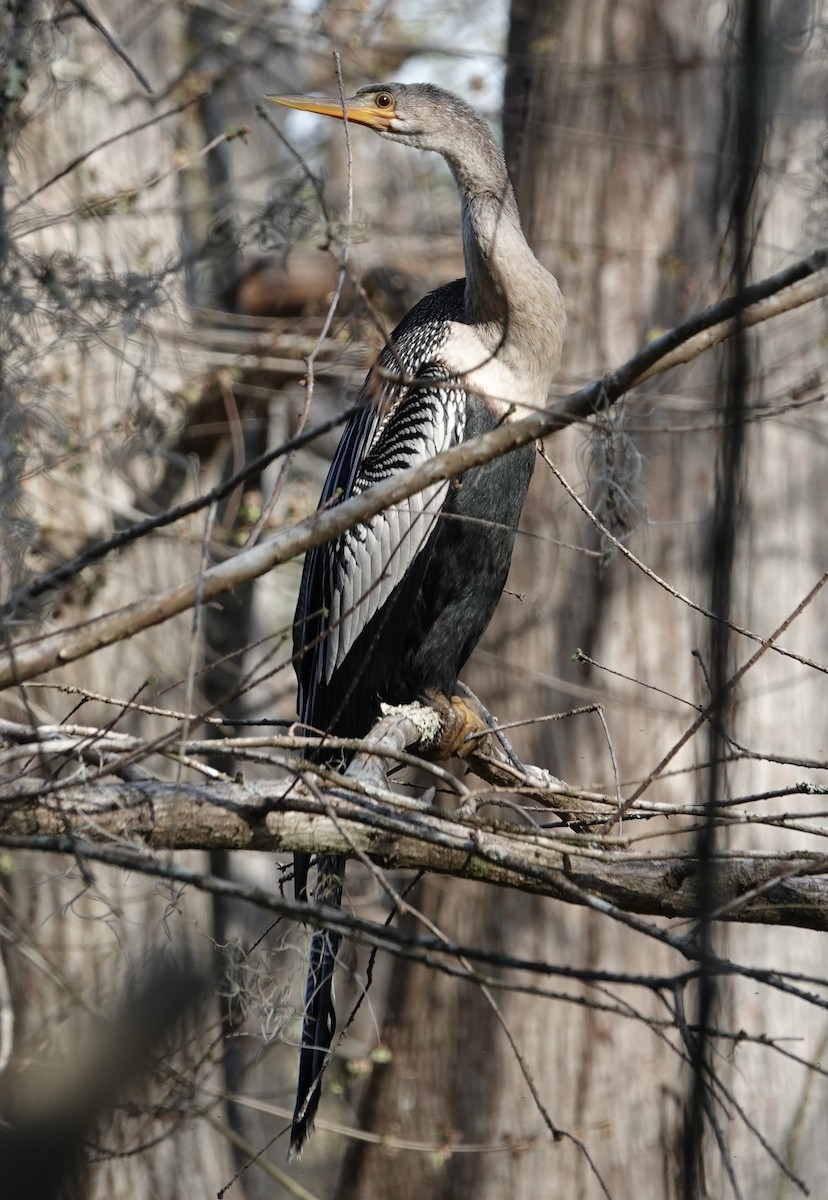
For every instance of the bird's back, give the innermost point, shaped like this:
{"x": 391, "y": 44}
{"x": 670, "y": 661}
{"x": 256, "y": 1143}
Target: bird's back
{"x": 392, "y": 609}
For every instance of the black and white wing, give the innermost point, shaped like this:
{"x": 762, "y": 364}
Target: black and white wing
{"x": 347, "y": 582}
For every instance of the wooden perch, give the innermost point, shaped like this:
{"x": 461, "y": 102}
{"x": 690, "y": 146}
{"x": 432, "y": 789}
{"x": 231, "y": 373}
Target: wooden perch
{"x": 358, "y": 813}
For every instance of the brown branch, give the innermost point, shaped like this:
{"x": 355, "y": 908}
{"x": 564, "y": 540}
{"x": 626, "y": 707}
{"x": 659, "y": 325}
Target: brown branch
{"x": 50, "y": 580}
{"x": 27, "y": 661}
{"x": 123, "y": 824}
{"x": 808, "y": 289}
{"x": 777, "y": 889}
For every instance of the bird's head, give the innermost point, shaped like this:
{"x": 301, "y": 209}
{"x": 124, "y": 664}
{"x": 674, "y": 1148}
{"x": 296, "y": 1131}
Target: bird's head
{"x": 416, "y": 114}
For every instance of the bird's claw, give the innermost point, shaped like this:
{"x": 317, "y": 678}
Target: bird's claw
{"x": 462, "y": 726}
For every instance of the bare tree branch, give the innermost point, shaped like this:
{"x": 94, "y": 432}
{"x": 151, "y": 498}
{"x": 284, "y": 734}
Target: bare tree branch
{"x": 112, "y": 42}
{"x": 25, "y": 661}
{"x": 764, "y": 888}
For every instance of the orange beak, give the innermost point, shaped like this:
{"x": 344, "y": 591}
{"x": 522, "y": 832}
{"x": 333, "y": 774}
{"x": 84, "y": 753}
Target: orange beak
{"x": 362, "y": 110}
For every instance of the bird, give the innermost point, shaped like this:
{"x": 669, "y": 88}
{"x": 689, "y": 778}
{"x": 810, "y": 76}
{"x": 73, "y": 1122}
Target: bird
{"x": 391, "y": 610}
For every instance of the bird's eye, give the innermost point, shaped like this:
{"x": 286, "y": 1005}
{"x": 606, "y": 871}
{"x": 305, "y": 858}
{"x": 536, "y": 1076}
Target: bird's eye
{"x": 384, "y": 100}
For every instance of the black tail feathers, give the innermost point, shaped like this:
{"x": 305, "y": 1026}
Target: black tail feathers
{"x": 319, "y": 1025}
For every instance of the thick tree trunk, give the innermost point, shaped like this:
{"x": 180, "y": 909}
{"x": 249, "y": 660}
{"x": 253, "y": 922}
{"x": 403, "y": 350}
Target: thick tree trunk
{"x": 94, "y": 400}
{"x": 617, "y": 122}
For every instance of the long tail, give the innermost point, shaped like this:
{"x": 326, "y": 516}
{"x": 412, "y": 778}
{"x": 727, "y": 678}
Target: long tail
{"x": 319, "y": 1025}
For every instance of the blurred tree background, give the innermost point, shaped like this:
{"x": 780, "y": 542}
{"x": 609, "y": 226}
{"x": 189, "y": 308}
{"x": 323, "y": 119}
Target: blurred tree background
{"x": 168, "y": 260}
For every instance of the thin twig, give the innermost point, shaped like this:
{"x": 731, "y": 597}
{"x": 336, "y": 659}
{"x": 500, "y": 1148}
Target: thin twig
{"x": 113, "y": 43}
{"x": 329, "y": 523}
{"x": 103, "y": 145}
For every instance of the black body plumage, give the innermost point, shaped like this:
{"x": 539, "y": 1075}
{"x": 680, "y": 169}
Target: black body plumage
{"x": 430, "y": 571}
{"x": 391, "y": 610}
{"x": 431, "y": 587}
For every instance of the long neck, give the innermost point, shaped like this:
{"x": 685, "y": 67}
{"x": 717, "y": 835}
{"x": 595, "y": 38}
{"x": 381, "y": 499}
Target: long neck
{"x": 512, "y": 300}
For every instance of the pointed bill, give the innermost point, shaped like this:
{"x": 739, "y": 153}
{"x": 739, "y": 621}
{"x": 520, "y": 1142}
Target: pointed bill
{"x": 362, "y": 110}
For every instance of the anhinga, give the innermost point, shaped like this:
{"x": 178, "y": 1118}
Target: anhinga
{"x": 391, "y": 610}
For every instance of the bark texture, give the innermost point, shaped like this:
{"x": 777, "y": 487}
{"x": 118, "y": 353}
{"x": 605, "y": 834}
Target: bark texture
{"x": 96, "y": 399}
{"x": 619, "y": 128}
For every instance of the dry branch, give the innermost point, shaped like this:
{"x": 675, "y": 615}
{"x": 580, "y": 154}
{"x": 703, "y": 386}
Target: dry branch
{"x": 29, "y": 660}
{"x": 145, "y": 816}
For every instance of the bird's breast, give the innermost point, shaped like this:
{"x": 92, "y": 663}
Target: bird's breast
{"x": 483, "y": 371}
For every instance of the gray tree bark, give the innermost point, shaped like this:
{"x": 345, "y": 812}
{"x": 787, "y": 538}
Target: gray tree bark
{"x": 95, "y": 399}
{"x": 619, "y": 133}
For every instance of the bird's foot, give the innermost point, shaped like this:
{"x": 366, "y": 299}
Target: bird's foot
{"x": 462, "y": 726}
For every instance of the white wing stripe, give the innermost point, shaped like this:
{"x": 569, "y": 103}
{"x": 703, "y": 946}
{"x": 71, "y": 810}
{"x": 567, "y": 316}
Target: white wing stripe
{"x": 371, "y": 559}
